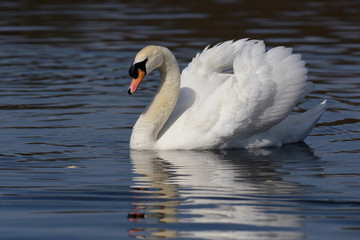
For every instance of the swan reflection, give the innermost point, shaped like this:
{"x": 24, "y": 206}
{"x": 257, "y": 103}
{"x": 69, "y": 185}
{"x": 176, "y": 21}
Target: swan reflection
{"x": 237, "y": 193}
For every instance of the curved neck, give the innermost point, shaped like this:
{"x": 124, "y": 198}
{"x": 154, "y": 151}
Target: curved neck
{"x": 150, "y": 122}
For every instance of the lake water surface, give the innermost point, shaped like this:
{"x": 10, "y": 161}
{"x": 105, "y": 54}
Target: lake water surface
{"x": 66, "y": 171}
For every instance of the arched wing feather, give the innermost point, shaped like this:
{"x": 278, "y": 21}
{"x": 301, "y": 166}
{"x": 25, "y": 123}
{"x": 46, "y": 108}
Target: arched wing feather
{"x": 239, "y": 89}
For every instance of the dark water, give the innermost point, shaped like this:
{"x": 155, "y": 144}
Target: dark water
{"x": 66, "y": 171}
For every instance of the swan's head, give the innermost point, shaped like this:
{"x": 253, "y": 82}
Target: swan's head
{"x": 146, "y": 60}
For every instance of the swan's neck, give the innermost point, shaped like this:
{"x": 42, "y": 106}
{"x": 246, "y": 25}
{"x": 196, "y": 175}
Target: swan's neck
{"x": 150, "y": 122}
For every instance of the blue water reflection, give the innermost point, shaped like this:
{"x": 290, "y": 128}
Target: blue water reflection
{"x": 233, "y": 194}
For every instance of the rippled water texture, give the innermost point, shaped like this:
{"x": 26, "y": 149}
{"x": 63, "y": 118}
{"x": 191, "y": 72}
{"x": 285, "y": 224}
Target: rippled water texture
{"x": 66, "y": 171}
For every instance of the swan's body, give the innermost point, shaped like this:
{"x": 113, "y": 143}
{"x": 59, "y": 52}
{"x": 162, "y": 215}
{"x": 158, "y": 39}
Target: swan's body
{"x": 212, "y": 108}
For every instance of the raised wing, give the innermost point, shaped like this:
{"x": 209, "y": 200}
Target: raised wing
{"x": 238, "y": 89}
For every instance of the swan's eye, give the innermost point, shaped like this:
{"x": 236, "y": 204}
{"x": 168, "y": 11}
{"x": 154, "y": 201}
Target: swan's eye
{"x": 133, "y": 71}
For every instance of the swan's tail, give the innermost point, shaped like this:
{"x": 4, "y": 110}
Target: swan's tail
{"x": 298, "y": 126}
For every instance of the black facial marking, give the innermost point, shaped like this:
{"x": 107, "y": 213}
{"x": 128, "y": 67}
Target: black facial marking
{"x": 133, "y": 71}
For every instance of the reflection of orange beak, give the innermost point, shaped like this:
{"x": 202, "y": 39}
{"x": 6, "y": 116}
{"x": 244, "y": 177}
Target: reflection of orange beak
{"x": 135, "y": 82}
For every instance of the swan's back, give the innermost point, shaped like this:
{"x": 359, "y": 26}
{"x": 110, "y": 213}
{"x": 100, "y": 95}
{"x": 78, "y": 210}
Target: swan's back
{"x": 233, "y": 91}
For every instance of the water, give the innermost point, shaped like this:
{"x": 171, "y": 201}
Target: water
{"x": 66, "y": 171}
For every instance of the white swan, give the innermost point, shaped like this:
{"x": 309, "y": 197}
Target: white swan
{"x": 233, "y": 95}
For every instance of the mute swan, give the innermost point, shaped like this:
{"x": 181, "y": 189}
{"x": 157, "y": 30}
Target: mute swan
{"x": 233, "y": 95}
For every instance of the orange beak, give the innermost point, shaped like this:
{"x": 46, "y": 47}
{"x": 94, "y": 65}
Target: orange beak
{"x": 135, "y": 82}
